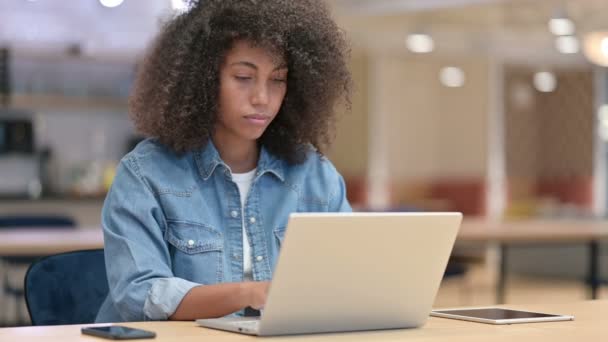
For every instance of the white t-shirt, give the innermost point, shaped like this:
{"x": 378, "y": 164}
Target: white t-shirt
{"x": 243, "y": 181}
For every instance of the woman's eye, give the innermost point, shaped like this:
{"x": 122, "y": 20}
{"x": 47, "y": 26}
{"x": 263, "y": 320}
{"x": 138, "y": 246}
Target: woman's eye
{"x": 280, "y": 80}
{"x": 243, "y": 78}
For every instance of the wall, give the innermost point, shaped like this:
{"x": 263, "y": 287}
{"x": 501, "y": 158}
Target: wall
{"x": 433, "y": 136}
{"x": 549, "y": 148}
{"x": 434, "y": 131}
{"x": 549, "y": 139}
{"x": 350, "y": 152}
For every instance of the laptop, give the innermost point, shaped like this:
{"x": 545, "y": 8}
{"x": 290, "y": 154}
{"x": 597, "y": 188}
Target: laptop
{"x": 341, "y": 272}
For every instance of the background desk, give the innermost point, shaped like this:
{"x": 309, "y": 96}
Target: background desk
{"x": 537, "y": 232}
{"x": 31, "y": 243}
{"x": 41, "y": 242}
{"x": 18, "y": 242}
{"x": 589, "y": 325}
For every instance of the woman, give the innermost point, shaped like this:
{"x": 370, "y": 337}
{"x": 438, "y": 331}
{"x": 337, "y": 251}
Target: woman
{"x": 237, "y": 98}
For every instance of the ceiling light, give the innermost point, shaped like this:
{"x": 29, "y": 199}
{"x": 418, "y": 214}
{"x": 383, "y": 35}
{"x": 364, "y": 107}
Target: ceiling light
{"x": 110, "y": 3}
{"x": 604, "y": 46}
{"x": 420, "y": 43}
{"x": 567, "y": 44}
{"x": 452, "y": 77}
{"x": 522, "y": 95}
{"x": 179, "y": 5}
{"x": 561, "y": 26}
{"x": 596, "y": 47}
{"x": 545, "y": 81}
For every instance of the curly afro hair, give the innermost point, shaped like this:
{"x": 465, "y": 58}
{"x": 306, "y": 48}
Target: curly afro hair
{"x": 176, "y": 93}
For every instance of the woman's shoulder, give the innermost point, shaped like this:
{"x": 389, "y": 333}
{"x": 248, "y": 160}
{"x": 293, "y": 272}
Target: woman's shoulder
{"x": 147, "y": 148}
{"x": 150, "y": 157}
{"x": 152, "y": 149}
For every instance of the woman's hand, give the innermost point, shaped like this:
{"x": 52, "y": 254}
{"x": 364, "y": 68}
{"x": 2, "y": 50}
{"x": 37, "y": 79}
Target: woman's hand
{"x": 257, "y": 293}
{"x": 212, "y": 301}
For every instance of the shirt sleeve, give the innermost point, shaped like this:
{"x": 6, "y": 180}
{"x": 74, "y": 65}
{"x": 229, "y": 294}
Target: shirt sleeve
{"x": 338, "y": 201}
{"x": 138, "y": 264}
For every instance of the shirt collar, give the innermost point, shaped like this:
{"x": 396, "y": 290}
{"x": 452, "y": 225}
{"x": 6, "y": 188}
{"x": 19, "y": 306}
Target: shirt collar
{"x": 208, "y": 159}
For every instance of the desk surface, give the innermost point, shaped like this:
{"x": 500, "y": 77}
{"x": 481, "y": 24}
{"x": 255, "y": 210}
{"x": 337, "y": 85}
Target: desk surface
{"x": 50, "y": 241}
{"x": 19, "y": 242}
{"x": 545, "y": 231}
{"x": 589, "y": 325}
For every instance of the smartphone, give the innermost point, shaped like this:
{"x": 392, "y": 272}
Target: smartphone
{"x": 117, "y": 332}
{"x": 492, "y": 315}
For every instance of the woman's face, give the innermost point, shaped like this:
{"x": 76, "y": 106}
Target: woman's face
{"x": 253, "y": 83}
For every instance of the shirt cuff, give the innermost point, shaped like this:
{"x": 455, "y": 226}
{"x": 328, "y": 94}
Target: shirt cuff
{"x": 164, "y": 297}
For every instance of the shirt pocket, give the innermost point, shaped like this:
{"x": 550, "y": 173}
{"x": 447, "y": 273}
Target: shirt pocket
{"x": 196, "y": 251}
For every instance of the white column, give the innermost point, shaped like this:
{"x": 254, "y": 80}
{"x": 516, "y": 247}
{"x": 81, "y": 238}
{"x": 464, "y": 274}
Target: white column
{"x": 378, "y": 176}
{"x": 600, "y": 158}
{"x": 496, "y": 169}
{"x": 496, "y": 182}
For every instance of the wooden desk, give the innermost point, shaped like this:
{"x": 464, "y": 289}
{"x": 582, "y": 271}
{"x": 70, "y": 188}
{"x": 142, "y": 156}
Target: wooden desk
{"x": 589, "y": 325}
{"x": 534, "y": 232}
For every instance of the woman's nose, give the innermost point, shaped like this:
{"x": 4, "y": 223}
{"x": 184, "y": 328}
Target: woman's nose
{"x": 260, "y": 94}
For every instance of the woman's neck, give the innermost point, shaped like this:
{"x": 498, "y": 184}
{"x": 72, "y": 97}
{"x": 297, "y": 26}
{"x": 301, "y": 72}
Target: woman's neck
{"x": 241, "y": 156}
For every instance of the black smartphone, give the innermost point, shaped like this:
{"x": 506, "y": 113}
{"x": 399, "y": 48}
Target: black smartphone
{"x": 117, "y": 332}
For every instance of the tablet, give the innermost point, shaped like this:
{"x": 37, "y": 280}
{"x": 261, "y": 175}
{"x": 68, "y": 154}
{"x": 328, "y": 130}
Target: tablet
{"x": 492, "y": 315}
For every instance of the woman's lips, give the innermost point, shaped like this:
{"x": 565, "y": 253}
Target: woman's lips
{"x": 257, "y": 119}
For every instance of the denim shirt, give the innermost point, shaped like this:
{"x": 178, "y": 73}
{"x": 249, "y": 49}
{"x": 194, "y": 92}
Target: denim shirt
{"x": 172, "y": 222}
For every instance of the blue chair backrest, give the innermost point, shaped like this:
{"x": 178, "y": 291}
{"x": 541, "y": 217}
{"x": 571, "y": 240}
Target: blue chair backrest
{"x": 66, "y": 288}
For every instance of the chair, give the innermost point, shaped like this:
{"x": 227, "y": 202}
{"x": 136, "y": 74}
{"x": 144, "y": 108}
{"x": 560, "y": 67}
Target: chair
{"x": 19, "y": 263}
{"x": 66, "y": 288}
{"x": 454, "y": 268}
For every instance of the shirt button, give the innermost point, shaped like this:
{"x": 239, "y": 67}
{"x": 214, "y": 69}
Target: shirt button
{"x": 259, "y": 258}
{"x": 234, "y": 214}
{"x": 252, "y": 219}
{"x": 190, "y": 243}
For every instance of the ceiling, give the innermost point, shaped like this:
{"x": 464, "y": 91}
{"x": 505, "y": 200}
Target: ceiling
{"x": 509, "y": 28}
{"x": 512, "y": 30}
{"x": 379, "y": 7}
{"x": 51, "y": 27}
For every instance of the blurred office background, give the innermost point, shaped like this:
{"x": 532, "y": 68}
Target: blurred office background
{"x": 496, "y": 108}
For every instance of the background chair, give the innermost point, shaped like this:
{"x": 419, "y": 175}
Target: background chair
{"x": 66, "y": 288}
{"x": 454, "y": 268}
{"x": 15, "y": 266}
